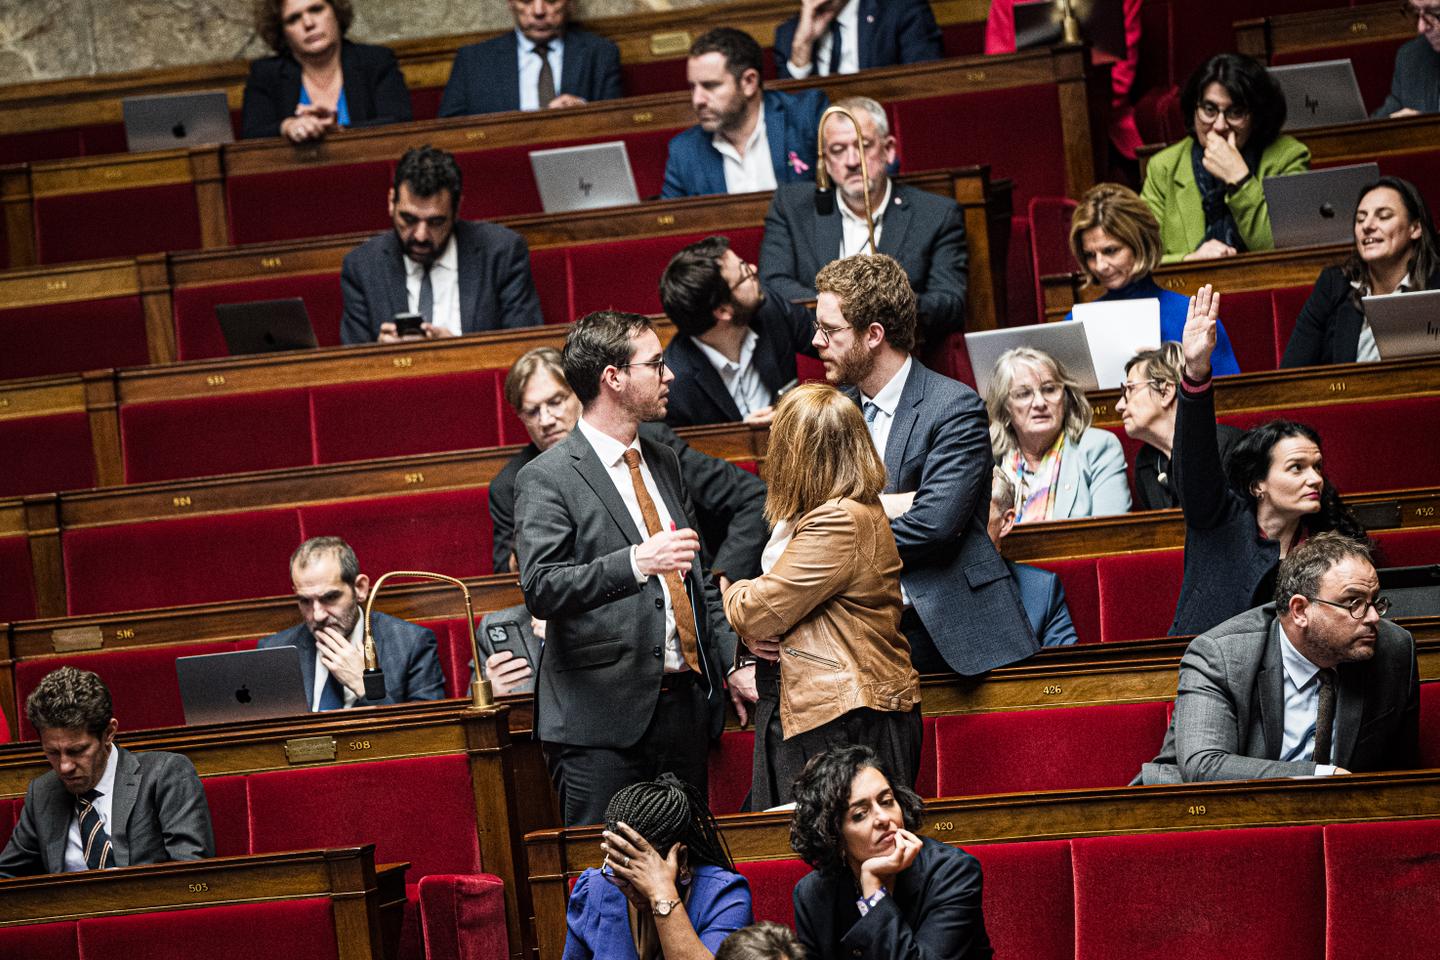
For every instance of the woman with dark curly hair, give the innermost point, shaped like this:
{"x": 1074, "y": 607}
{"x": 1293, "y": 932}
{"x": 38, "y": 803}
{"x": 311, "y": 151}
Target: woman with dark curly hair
{"x": 878, "y": 890}
{"x": 318, "y": 81}
{"x": 668, "y": 887}
{"x": 1241, "y": 519}
{"x": 1206, "y": 190}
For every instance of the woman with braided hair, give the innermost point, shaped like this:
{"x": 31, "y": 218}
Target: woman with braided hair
{"x": 668, "y": 887}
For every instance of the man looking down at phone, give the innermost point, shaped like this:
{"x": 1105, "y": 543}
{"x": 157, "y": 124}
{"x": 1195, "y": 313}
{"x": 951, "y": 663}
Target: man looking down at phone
{"x": 440, "y": 275}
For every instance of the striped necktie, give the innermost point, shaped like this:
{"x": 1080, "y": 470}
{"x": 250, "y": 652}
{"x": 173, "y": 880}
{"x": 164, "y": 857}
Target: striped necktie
{"x": 94, "y": 841}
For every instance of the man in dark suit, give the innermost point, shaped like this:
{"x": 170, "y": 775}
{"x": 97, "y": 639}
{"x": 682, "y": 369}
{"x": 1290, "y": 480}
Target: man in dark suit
{"x": 1041, "y": 592}
{"x": 459, "y": 276}
{"x": 806, "y": 228}
{"x": 101, "y": 806}
{"x": 735, "y": 342}
{"x": 962, "y": 607}
{"x": 519, "y": 70}
{"x": 1415, "y": 87}
{"x": 632, "y": 678}
{"x": 1315, "y": 684}
{"x": 331, "y": 592}
{"x": 829, "y": 37}
{"x": 748, "y": 138}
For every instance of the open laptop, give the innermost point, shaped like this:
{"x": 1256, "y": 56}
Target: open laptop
{"x": 168, "y": 120}
{"x": 1319, "y": 94}
{"x": 1042, "y": 24}
{"x": 264, "y": 326}
{"x": 241, "y": 685}
{"x": 1317, "y": 207}
{"x": 1065, "y": 341}
{"x": 583, "y": 178}
{"x": 1405, "y": 324}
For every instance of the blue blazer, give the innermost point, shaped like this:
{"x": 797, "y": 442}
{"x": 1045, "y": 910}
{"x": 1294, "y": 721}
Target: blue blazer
{"x": 695, "y": 168}
{"x": 407, "y": 655}
{"x": 1173, "y": 307}
{"x": 599, "y": 923}
{"x": 1416, "y": 83}
{"x": 891, "y": 33}
{"x": 485, "y": 77}
{"x": 1043, "y": 595}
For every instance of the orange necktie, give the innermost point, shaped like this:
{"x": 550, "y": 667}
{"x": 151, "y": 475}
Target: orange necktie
{"x": 679, "y": 599}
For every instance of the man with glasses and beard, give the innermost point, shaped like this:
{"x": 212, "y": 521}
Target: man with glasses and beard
{"x": 1415, "y": 87}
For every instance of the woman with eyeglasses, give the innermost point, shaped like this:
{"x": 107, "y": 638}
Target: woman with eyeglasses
{"x": 1244, "y": 516}
{"x": 1415, "y": 86}
{"x": 1206, "y": 190}
{"x": 1041, "y": 435}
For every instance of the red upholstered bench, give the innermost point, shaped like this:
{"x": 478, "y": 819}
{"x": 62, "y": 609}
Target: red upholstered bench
{"x": 17, "y": 592}
{"x": 9, "y": 809}
{"x": 1407, "y": 548}
{"x": 1430, "y": 725}
{"x": 1082, "y": 594}
{"x": 772, "y": 883}
{"x": 61, "y": 456}
{"x": 293, "y": 929}
{"x": 624, "y": 274}
{"x": 312, "y": 202}
{"x": 204, "y": 436}
{"x": 1382, "y": 881}
{"x": 116, "y": 223}
{"x": 448, "y": 531}
{"x": 50, "y": 941}
{"x": 1029, "y": 898}
{"x": 197, "y": 332}
{"x": 229, "y": 802}
{"x": 1138, "y": 592}
{"x": 392, "y": 418}
{"x": 1250, "y": 323}
{"x": 1285, "y": 305}
{"x": 52, "y": 338}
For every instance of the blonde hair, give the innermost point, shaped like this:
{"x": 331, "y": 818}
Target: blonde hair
{"x": 1077, "y": 413}
{"x": 819, "y": 449}
{"x": 1120, "y": 212}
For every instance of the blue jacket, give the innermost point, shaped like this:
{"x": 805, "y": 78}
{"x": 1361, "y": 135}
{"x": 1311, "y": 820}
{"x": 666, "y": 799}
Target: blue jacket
{"x": 695, "y": 168}
{"x": 891, "y": 32}
{"x": 407, "y": 654}
{"x": 485, "y": 77}
{"x": 599, "y": 923}
{"x": 1043, "y": 595}
{"x": 1173, "y": 307}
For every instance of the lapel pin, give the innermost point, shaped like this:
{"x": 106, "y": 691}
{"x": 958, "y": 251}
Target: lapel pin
{"x": 870, "y": 18}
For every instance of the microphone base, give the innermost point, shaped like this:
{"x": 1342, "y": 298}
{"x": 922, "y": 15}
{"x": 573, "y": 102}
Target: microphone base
{"x": 374, "y": 684}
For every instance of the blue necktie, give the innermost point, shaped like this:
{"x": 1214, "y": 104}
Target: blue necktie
{"x": 332, "y": 695}
{"x": 94, "y": 841}
{"x": 834, "y": 47}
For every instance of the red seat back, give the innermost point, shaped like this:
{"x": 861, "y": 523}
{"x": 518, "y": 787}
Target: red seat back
{"x": 1029, "y": 898}
{"x": 926, "y": 777}
{"x": 447, "y": 532}
{"x": 1082, "y": 595}
{"x": 229, "y": 802}
{"x": 731, "y": 764}
{"x": 1382, "y": 881}
{"x": 1430, "y": 725}
{"x": 116, "y": 223}
{"x": 1407, "y": 548}
{"x": 392, "y": 418}
{"x": 293, "y": 929}
{"x": 772, "y": 886}
{"x": 1285, "y": 305}
{"x": 197, "y": 331}
{"x": 1050, "y": 241}
{"x": 67, "y": 463}
{"x": 290, "y": 204}
{"x": 205, "y": 436}
{"x": 70, "y": 337}
{"x": 1138, "y": 593}
{"x": 1248, "y": 317}
{"x": 44, "y": 941}
{"x": 17, "y": 591}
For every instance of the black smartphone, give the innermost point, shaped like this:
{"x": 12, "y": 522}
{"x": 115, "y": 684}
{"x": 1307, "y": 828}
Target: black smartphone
{"x": 408, "y": 324}
{"x": 506, "y": 636}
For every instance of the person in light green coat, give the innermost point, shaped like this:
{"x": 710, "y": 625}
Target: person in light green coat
{"x": 1206, "y": 190}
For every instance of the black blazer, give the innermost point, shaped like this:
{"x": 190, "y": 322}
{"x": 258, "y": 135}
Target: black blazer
{"x": 1328, "y": 329}
{"x": 408, "y": 655}
{"x": 891, "y": 32}
{"x": 1154, "y": 483}
{"x": 485, "y": 77}
{"x": 932, "y": 910}
{"x": 374, "y": 89}
{"x": 698, "y": 395}
{"x": 496, "y": 289}
{"x": 1416, "y": 81}
{"x": 923, "y": 231}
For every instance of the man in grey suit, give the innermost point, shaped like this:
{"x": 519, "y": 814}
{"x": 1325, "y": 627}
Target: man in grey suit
{"x": 330, "y": 591}
{"x": 1315, "y": 684}
{"x": 101, "y": 806}
{"x": 637, "y": 648}
{"x": 459, "y": 276}
{"x": 806, "y": 228}
{"x": 1415, "y": 87}
{"x": 963, "y": 611}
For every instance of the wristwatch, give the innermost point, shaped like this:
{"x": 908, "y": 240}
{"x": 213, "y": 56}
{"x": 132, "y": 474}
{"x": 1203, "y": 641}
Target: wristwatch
{"x": 662, "y": 908}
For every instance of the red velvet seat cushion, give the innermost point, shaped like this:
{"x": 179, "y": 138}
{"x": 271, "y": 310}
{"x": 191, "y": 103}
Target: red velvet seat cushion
{"x": 1049, "y": 241}
{"x": 731, "y": 766}
{"x": 1058, "y": 749}
{"x": 229, "y": 801}
{"x": 447, "y": 532}
{"x": 1429, "y": 725}
{"x": 1082, "y": 594}
{"x": 425, "y": 102}
{"x": 165, "y": 563}
{"x": 1407, "y": 548}
{"x": 1382, "y": 882}
{"x": 925, "y": 778}
{"x": 392, "y": 418}
{"x": 550, "y": 271}
{"x": 61, "y": 456}
{"x": 1256, "y": 894}
{"x": 1249, "y": 321}
{"x": 656, "y": 76}
{"x": 205, "y": 436}
{"x": 1138, "y": 593}
{"x": 463, "y": 916}
{"x": 355, "y": 803}
{"x": 312, "y": 202}
{"x": 1029, "y": 898}
{"x": 40, "y": 941}
{"x": 1020, "y": 277}
{"x": 772, "y": 885}
{"x": 453, "y": 648}
{"x": 71, "y": 337}
{"x": 116, "y": 223}
{"x": 197, "y": 332}
{"x": 8, "y": 813}
{"x": 293, "y": 929}
{"x": 1285, "y": 306}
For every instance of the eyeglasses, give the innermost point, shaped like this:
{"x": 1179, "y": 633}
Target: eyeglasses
{"x": 747, "y": 273}
{"x": 554, "y": 406}
{"x": 827, "y": 332}
{"x": 1357, "y": 607}
{"x": 1430, "y": 16}
{"x": 1050, "y": 390}
{"x": 656, "y": 365}
{"x": 1211, "y": 111}
{"x": 1153, "y": 383}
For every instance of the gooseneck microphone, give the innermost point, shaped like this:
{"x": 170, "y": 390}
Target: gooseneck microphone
{"x": 480, "y": 695}
{"x": 824, "y": 194}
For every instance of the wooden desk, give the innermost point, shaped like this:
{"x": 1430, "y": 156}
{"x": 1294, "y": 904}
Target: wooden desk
{"x": 1291, "y": 33}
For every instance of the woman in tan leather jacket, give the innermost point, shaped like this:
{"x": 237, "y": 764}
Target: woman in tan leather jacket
{"x": 824, "y": 618}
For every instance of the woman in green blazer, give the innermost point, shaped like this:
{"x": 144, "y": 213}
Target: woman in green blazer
{"x": 1206, "y": 189}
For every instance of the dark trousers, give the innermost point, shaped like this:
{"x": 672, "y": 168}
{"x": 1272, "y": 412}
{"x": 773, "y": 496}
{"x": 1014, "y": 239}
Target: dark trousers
{"x": 677, "y": 740}
{"x": 923, "y": 654}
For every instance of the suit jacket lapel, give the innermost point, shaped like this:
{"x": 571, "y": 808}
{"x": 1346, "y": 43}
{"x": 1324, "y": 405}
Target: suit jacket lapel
{"x": 357, "y": 84}
{"x": 127, "y": 788}
{"x": 395, "y": 279}
{"x": 290, "y": 81}
{"x": 57, "y": 831}
{"x": 708, "y": 378}
{"x": 865, "y": 32}
{"x": 467, "y": 265}
{"x": 906, "y": 414}
{"x": 826, "y": 239}
{"x": 777, "y": 133}
{"x": 1068, "y": 481}
{"x": 897, "y": 222}
{"x": 593, "y": 472}
{"x": 569, "y": 69}
{"x": 507, "y": 84}
{"x": 767, "y": 365}
{"x": 1270, "y": 691}
{"x": 1349, "y": 712}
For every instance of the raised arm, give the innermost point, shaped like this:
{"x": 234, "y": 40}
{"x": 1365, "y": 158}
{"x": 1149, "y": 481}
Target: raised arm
{"x": 1195, "y": 464}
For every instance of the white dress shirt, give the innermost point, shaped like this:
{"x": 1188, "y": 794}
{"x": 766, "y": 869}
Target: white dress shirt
{"x": 444, "y": 284}
{"x": 1302, "y": 702}
{"x": 1366, "y": 350}
{"x": 849, "y": 20}
{"x": 74, "y": 851}
{"x": 754, "y": 171}
{"x": 530, "y": 69}
{"x": 322, "y": 673}
{"x": 740, "y": 377}
{"x": 854, "y": 234}
{"x": 612, "y": 454}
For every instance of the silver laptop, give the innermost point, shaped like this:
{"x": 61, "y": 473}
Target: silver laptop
{"x": 168, "y": 120}
{"x": 1318, "y": 207}
{"x": 1405, "y": 324}
{"x": 264, "y": 326}
{"x": 583, "y": 178}
{"x": 242, "y": 685}
{"x": 1319, "y": 94}
{"x": 1065, "y": 341}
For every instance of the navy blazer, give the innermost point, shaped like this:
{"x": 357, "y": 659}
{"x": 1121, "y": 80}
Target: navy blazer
{"x": 923, "y": 231}
{"x": 1416, "y": 82}
{"x": 1043, "y": 595}
{"x": 891, "y": 33}
{"x": 485, "y": 77}
{"x": 375, "y": 89}
{"x": 496, "y": 289}
{"x": 695, "y": 168}
{"x": 407, "y": 655}
{"x": 698, "y": 395}
{"x": 1328, "y": 328}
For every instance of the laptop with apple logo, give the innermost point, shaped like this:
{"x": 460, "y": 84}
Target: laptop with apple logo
{"x": 166, "y": 121}
{"x": 241, "y": 685}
